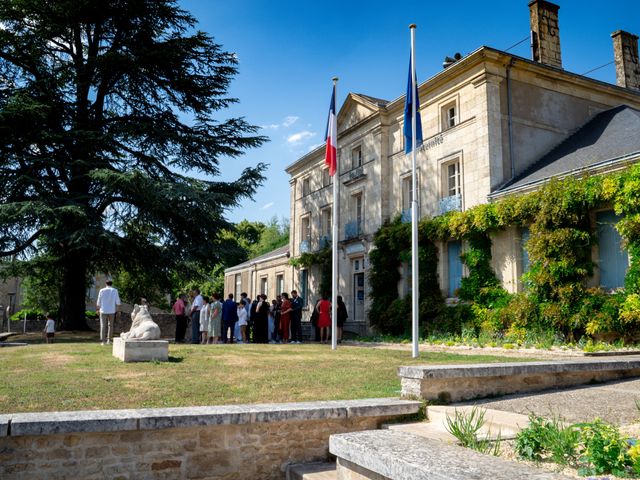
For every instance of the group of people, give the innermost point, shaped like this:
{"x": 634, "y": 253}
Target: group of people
{"x": 258, "y": 321}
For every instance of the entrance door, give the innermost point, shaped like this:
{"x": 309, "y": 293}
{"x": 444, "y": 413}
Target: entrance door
{"x": 358, "y": 289}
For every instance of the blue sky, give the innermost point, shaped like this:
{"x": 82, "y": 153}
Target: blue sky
{"x": 289, "y": 51}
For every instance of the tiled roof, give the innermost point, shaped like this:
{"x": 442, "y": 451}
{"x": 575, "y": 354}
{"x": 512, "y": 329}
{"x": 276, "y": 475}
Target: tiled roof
{"x": 273, "y": 253}
{"x": 610, "y": 135}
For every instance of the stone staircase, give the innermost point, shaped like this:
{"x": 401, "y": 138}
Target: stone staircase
{"x": 506, "y": 424}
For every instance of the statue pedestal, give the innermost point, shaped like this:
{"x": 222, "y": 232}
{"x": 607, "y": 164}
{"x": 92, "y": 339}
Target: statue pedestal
{"x": 140, "y": 350}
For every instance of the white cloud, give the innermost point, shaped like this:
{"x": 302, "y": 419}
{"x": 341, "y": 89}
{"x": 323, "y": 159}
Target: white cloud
{"x": 267, "y": 206}
{"x": 299, "y": 137}
{"x": 290, "y": 120}
{"x": 286, "y": 123}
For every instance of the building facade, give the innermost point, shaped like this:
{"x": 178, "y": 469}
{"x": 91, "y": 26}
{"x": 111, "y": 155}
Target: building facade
{"x": 490, "y": 122}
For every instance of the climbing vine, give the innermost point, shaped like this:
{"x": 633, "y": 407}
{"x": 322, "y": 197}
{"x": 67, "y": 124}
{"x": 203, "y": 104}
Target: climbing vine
{"x": 560, "y": 221}
{"x": 321, "y": 258}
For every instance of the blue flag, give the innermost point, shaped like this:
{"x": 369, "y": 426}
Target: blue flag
{"x": 412, "y": 103}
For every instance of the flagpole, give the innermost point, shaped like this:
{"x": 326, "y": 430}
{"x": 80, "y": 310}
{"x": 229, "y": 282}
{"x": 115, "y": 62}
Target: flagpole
{"x": 414, "y": 204}
{"x": 334, "y": 247}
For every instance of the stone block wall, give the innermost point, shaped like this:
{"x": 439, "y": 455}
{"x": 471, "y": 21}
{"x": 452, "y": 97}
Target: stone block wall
{"x": 233, "y": 442}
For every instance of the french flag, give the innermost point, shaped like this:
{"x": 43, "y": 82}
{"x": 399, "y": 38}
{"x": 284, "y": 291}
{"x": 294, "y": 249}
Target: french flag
{"x": 331, "y": 136}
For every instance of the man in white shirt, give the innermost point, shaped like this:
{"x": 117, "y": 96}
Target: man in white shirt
{"x": 107, "y": 303}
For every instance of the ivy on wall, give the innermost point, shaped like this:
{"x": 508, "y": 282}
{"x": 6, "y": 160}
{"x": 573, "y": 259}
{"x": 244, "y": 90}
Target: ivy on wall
{"x": 322, "y": 259}
{"x": 559, "y": 248}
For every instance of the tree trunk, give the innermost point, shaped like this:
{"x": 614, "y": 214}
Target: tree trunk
{"x": 73, "y": 294}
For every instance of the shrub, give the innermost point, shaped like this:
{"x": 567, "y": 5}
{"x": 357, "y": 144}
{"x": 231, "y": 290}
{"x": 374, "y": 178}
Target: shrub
{"x": 603, "y": 449}
{"x": 32, "y": 314}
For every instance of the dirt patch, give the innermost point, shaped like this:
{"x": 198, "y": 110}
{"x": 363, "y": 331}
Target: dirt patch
{"x": 56, "y": 359}
{"x": 130, "y": 375}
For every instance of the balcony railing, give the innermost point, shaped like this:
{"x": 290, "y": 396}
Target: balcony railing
{"x": 406, "y": 216}
{"x": 324, "y": 241}
{"x": 451, "y": 204}
{"x": 352, "y": 230}
{"x": 305, "y": 246}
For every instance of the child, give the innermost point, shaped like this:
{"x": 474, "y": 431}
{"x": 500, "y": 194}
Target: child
{"x": 49, "y": 328}
{"x": 242, "y": 320}
{"x": 204, "y": 320}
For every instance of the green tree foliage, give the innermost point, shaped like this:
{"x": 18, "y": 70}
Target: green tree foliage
{"x": 274, "y": 235}
{"x": 104, "y": 105}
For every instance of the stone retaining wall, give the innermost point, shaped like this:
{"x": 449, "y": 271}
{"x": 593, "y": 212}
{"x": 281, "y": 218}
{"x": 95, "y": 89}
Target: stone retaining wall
{"x": 454, "y": 383}
{"x": 230, "y": 442}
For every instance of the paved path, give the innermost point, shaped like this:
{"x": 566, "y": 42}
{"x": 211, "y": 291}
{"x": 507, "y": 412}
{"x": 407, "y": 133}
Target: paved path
{"x": 613, "y": 401}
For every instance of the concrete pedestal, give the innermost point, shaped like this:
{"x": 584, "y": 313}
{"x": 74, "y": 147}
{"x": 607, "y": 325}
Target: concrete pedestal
{"x": 140, "y": 350}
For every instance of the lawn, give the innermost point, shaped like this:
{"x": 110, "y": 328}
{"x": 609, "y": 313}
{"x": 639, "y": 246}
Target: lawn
{"x": 77, "y": 373}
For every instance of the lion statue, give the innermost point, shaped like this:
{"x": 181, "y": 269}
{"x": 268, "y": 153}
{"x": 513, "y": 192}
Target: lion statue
{"x": 142, "y": 326}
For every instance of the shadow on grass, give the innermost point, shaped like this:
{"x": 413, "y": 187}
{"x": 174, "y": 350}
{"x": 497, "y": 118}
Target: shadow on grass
{"x": 33, "y": 338}
{"x": 173, "y": 359}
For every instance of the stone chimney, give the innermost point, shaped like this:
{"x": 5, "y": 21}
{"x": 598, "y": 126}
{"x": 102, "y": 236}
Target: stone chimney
{"x": 545, "y": 33}
{"x": 625, "y": 54}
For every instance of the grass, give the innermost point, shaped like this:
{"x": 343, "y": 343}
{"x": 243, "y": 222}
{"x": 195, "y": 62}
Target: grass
{"x": 76, "y": 373}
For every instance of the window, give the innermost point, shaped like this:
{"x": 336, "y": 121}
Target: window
{"x": 407, "y": 192}
{"x": 454, "y": 267}
{"x": 306, "y": 186}
{"x": 264, "y": 286}
{"x": 356, "y": 157}
{"x": 451, "y": 196}
{"x": 357, "y": 205}
{"x": 279, "y": 284}
{"x": 453, "y": 179}
{"x": 305, "y": 234}
{"x": 325, "y": 225}
{"x": 613, "y": 260}
{"x": 353, "y": 228}
{"x": 325, "y": 228}
{"x": 238, "y": 286}
{"x": 305, "y": 228}
{"x": 449, "y": 115}
{"x": 326, "y": 178}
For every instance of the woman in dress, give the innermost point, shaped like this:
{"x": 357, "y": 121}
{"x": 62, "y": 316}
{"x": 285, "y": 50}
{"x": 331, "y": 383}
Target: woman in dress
{"x": 272, "y": 321}
{"x": 215, "y": 319}
{"x": 204, "y": 320}
{"x": 324, "y": 318}
{"x": 285, "y": 317}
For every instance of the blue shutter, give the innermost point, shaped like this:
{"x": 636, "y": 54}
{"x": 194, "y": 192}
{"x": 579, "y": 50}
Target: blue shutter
{"x": 526, "y": 264}
{"x": 454, "y": 249}
{"x": 612, "y": 259}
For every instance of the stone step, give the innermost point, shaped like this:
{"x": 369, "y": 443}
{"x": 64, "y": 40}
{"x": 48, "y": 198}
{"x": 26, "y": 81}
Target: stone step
{"x": 312, "y": 471}
{"x": 505, "y": 424}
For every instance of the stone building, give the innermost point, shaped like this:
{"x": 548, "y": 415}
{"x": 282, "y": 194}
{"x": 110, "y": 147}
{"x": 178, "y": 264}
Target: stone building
{"x": 493, "y": 124}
